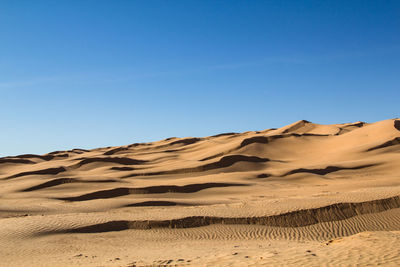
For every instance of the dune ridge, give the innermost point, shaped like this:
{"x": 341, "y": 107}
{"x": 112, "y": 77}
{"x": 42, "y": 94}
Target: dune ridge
{"x": 116, "y": 192}
{"x": 299, "y": 218}
{"x": 49, "y": 171}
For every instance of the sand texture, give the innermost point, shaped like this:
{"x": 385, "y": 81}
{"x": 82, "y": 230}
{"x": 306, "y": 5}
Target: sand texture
{"x": 301, "y": 195}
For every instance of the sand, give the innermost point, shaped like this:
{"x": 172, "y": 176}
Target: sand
{"x": 304, "y": 194}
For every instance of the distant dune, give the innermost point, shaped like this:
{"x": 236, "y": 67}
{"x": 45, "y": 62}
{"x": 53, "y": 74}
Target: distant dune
{"x": 302, "y": 194}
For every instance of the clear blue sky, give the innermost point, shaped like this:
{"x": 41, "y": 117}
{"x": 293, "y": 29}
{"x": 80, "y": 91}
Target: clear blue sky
{"x": 100, "y": 73}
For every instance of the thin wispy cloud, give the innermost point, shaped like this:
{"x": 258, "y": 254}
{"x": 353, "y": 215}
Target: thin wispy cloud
{"x": 257, "y": 63}
{"x": 25, "y": 83}
{"x": 129, "y": 75}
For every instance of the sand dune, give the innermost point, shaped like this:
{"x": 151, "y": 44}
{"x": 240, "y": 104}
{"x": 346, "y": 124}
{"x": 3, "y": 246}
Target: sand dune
{"x": 302, "y": 194}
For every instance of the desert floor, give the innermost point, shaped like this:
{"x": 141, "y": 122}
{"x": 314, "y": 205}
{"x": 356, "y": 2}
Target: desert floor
{"x": 304, "y": 194}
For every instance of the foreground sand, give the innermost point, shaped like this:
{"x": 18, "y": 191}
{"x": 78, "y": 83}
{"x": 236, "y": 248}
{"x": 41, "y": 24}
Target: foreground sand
{"x": 304, "y": 194}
